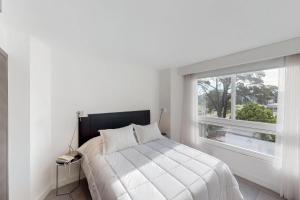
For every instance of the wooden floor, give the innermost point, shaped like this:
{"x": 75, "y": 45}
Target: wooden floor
{"x": 250, "y": 191}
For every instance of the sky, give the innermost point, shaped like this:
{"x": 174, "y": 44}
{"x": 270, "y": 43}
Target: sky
{"x": 272, "y": 77}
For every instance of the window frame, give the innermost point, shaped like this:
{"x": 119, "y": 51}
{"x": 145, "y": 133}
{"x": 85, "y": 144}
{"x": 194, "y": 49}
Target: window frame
{"x": 262, "y": 127}
{"x": 238, "y": 125}
{"x": 268, "y": 128}
{"x": 242, "y": 126}
{"x": 237, "y": 149}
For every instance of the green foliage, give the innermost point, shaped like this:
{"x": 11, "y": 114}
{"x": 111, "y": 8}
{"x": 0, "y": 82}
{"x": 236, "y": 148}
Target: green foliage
{"x": 256, "y": 112}
{"x": 266, "y": 137}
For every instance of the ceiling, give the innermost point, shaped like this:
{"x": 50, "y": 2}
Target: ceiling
{"x": 156, "y": 33}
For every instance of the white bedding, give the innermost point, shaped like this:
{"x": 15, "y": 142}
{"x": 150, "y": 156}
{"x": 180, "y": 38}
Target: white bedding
{"x": 161, "y": 169}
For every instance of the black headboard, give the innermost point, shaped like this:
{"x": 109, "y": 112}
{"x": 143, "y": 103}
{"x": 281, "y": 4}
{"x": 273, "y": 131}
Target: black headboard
{"x": 89, "y": 126}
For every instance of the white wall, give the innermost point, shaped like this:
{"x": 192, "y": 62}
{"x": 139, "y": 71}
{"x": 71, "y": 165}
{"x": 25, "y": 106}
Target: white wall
{"x": 29, "y": 113}
{"x": 16, "y": 45}
{"x": 76, "y": 82}
{"x": 47, "y": 85}
{"x": 176, "y": 104}
{"x": 170, "y": 95}
{"x": 40, "y": 118}
{"x": 165, "y": 100}
{"x": 267, "y": 52}
{"x": 80, "y": 82}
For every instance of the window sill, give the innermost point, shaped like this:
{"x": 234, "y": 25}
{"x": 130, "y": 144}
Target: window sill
{"x": 239, "y": 124}
{"x": 237, "y": 149}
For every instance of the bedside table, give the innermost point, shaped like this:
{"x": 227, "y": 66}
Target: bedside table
{"x": 75, "y": 161}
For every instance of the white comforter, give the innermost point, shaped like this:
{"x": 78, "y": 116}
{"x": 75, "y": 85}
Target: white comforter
{"x": 161, "y": 169}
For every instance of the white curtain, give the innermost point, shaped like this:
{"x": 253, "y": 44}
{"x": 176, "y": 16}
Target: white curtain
{"x": 189, "y": 128}
{"x": 288, "y": 140}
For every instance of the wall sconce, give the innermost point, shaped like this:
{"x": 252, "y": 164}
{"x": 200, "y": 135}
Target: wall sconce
{"x": 79, "y": 115}
{"x": 162, "y": 111}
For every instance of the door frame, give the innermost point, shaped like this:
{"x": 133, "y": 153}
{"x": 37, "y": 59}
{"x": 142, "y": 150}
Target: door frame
{"x": 4, "y": 189}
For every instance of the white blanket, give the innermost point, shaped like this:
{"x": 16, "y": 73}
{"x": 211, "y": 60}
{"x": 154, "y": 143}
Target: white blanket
{"x": 161, "y": 169}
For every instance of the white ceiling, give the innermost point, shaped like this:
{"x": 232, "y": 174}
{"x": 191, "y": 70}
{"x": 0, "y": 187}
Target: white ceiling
{"x": 156, "y": 33}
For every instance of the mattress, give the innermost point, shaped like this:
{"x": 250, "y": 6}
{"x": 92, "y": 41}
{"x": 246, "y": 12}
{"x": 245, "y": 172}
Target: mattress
{"x": 160, "y": 169}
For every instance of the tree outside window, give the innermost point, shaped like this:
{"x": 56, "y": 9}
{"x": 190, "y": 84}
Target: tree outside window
{"x": 255, "y": 100}
{"x": 247, "y": 96}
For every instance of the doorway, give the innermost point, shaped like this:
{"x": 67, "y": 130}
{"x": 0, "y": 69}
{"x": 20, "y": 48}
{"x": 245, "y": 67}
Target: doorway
{"x": 3, "y": 126}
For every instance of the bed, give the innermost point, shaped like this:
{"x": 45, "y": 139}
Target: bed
{"x": 158, "y": 169}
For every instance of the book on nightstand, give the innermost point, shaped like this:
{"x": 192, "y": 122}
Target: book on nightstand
{"x": 67, "y": 158}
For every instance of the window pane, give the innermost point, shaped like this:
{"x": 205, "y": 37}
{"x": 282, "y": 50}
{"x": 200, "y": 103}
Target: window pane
{"x": 256, "y": 96}
{"x": 259, "y": 142}
{"x": 214, "y": 97}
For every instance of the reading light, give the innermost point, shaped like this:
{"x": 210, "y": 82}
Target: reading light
{"x": 79, "y": 115}
{"x": 162, "y": 110}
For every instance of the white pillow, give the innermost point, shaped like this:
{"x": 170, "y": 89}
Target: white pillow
{"x": 118, "y": 139}
{"x": 92, "y": 147}
{"x": 147, "y": 133}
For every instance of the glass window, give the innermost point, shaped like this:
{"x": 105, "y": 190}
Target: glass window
{"x": 214, "y": 97}
{"x": 256, "y": 96}
{"x": 255, "y": 141}
{"x": 244, "y": 107}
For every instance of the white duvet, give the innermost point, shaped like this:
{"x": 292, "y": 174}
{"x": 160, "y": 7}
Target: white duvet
{"x": 161, "y": 169}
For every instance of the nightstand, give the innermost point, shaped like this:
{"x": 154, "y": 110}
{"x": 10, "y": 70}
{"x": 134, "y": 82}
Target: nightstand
{"x": 74, "y": 162}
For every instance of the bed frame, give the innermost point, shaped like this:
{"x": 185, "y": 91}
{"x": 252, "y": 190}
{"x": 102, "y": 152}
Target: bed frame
{"x": 89, "y": 126}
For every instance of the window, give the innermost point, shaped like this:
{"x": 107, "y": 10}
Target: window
{"x": 215, "y": 97}
{"x": 240, "y": 109}
{"x": 256, "y": 96}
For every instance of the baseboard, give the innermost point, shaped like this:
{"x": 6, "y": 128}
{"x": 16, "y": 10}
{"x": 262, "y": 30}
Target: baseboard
{"x": 61, "y": 183}
{"x": 260, "y": 181}
{"x": 43, "y": 194}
